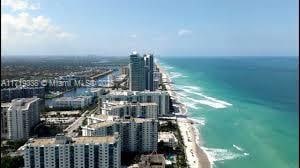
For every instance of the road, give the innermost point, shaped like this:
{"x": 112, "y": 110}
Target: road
{"x": 75, "y": 125}
{"x": 71, "y": 129}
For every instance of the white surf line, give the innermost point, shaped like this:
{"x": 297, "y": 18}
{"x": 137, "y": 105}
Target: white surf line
{"x": 217, "y": 154}
{"x": 207, "y": 97}
{"x": 237, "y": 147}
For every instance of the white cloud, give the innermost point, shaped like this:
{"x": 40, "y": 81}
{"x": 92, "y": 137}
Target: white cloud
{"x": 23, "y": 32}
{"x": 183, "y": 32}
{"x": 23, "y": 24}
{"x": 16, "y": 5}
{"x": 133, "y": 36}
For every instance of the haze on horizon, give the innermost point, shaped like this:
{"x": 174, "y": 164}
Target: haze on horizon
{"x": 166, "y": 28}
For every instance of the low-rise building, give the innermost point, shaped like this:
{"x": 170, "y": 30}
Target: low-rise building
{"x": 168, "y": 138}
{"x": 62, "y": 113}
{"x": 96, "y": 118}
{"x": 152, "y": 161}
{"x": 56, "y": 120}
{"x": 65, "y": 152}
{"x": 78, "y": 102}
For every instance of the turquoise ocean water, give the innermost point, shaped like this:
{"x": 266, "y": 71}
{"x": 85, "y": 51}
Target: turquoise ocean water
{"x": 246, "y": 107}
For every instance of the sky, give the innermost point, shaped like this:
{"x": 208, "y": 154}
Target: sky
{"x": 162, "y": 27}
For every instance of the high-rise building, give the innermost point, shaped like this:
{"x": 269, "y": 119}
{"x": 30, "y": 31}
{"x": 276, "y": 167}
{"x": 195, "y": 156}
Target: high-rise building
{"x": 149, "y": 68}
{"x": 4, "y": 108}
{"x": 22, "y": 115}
{"x": 125, "y": 70}
{"x": 137, "y": 134}
{"x": 65, "y": 152}
{"x": 136, "y": 72}
{"x": 157, "y": 79}
{"x": 161, "y": 98}
{"x": 12, "y": 93}
{"x": 124, "y": 108}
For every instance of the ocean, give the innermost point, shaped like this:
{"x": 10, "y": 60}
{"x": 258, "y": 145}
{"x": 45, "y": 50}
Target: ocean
{"x": 246, "y": 107}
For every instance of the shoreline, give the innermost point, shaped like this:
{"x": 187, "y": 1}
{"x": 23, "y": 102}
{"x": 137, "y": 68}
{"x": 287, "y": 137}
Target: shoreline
{"x": 195, "y": 155}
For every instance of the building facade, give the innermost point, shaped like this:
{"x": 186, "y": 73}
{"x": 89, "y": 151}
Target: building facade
{"x": 9, "y": 94}
{"x": 161, "y": 98}
{"x": 152, "y": 161}
{"x": 157, "y": 81}
{"x": 22, "y": 115}
{"x": 137, "y": 134}
{"x": 4, "y": 108}
{"x": 136, "y": 72}
{"x": 149, "y": 68}
{"x": 123, "y": 108}
{"x": 78, "y": 102}
{"x": 125, "y": 70}
{"x": 79, "y": 152}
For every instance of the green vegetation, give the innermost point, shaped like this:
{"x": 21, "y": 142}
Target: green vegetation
{"x": 129, "y": 158}
{"x": 84, "y": 122}
{"x": 163, "y": 87}
{"x": 179, "y": 151}
{"x": 169, "y": 127}
{"x": 91, "y": 107}
{"x": 61, "y": 109}
{"x": 11, "y": 146}
{"x": 15, "y": 144}
{"x": 12, "y": 162}
{"x": 171, "y": 107}
{"x": 47, "y": 130}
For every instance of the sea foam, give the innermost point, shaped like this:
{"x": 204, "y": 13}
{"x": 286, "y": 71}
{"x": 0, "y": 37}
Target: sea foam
{"x": 210, "y": 101}
{"x": 216, "y": 154}
{"x": 176, "y": 75}
{"x": 237, "y": 147}
{"x": 200, "y": 120}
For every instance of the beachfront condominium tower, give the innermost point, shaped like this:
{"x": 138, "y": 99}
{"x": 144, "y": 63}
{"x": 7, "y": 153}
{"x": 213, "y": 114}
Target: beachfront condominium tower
{"x": 137, "y": 134}
{"x": 66, "y": 152}
{"x": 125, "y": 108}
{"x": 149, "y": 68}
{"x": 161, "y": 98}
{"x": 22, "y": 115}
{"x": 136, "y": 72}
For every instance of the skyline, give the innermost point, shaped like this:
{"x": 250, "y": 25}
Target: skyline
{"x": 193, "y": 28}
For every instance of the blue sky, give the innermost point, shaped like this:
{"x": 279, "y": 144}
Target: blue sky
{"x": 164, "y": 27}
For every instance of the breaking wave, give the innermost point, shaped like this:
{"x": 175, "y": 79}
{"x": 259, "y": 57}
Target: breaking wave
{"x": 216, "y": 154}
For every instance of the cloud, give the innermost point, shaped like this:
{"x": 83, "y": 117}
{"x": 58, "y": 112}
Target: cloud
{"x": 17, "y": 5}
{"x": 183, "y": 32}
{"x": 133, "y": 36}
{"x": 23, "y": 24}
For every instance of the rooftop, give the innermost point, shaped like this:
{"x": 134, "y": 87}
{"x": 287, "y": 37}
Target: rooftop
{"x": 103, "y": 117}
{"x": 101, "y": 124}
{"x": 128, "y": 92}
{"x": 156, "y": 159}
{"x": 5, "y": 104}
{"x": 166, "y": 136}
{"x": 106, "y": 123}
{"x": 77, "y": 140}
{"x": 22, "y": 103}
{"x": 78, "y": 98}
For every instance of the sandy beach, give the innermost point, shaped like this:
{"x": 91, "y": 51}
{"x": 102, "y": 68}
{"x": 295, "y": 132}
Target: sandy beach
{"x": 196, "y": 157}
